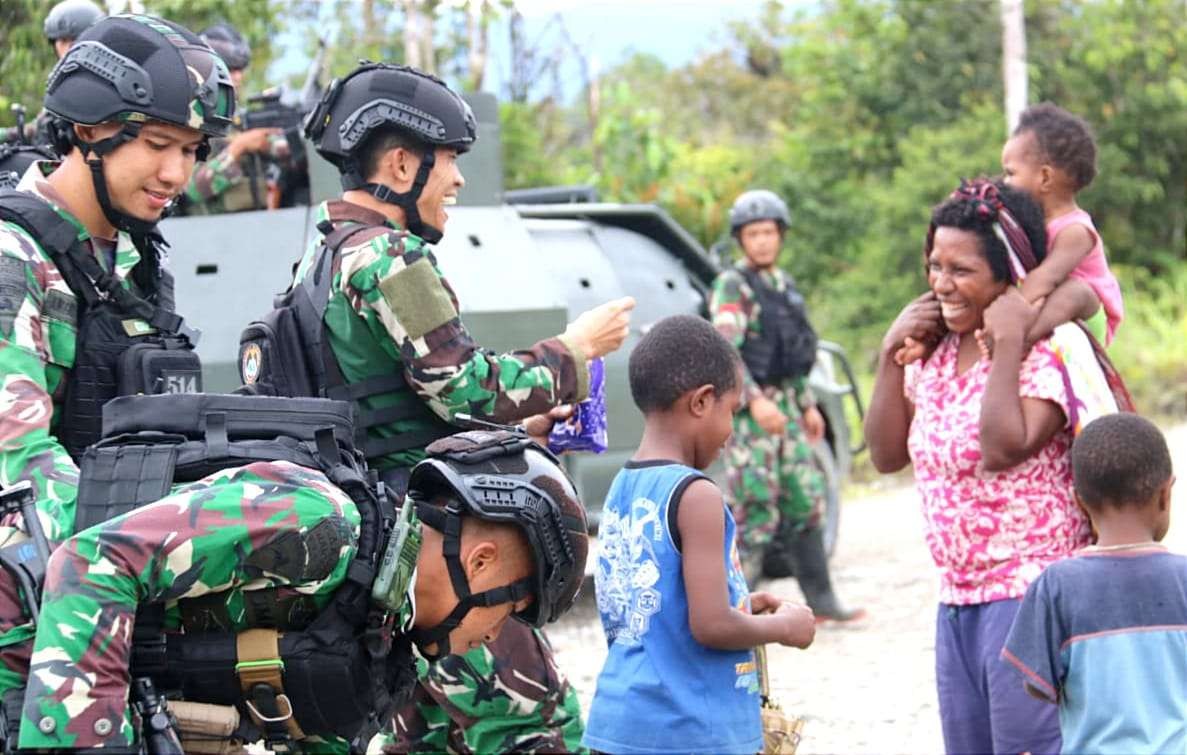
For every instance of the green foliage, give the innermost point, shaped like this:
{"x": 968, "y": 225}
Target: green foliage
{"x": 864, "y": 114}
{"x": 1151, "y": 346}
{"x": 28, "y": 57}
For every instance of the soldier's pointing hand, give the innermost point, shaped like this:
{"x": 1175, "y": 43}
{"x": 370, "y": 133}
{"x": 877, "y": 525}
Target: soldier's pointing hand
{"x": 601, "y": 330}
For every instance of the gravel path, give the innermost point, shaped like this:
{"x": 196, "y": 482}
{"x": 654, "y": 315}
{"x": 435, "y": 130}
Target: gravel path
{"x": 868, "y": 688}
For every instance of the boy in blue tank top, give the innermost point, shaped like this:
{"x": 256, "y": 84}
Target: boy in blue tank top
{"x": 1104, "y": 633}
{"x": 681, "y": 623}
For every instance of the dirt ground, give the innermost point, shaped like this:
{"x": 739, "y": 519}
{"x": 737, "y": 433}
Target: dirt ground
{"x": 868, "y": 688}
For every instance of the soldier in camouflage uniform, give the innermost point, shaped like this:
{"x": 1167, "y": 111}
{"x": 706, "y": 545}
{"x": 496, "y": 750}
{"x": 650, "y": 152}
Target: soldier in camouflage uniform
{"x": 392, "y": 324}
{"x": 773, "y": 479}
{"x": 235, "y": 178}
{"x": 140, "y": 155}
{"x": 182, "y": 547}
{"x": 64, "y": 23}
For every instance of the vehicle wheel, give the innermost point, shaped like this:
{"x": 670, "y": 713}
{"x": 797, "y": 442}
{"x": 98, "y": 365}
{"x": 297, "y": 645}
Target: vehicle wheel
{"x": 826, "y": 462}
{"x": 777, "y": 561}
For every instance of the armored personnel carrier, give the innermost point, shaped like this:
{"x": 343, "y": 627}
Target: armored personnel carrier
{"x": 522, "y": 262}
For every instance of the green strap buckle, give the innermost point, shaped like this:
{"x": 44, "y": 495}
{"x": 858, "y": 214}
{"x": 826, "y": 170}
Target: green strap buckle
{"x": 246, "y": 665}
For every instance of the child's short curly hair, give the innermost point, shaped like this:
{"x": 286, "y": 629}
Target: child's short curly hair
{"x": 676, "y": 355}
{"x": 1065, "y": 141}
{"x": 1119, "y": 460}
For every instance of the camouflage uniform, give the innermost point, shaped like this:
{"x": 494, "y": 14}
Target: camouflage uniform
{"x": 224, "y": 185}
{"x": 768, "y": 475}
{"x": 37, "y": 349}
{"x": 508, "y": 696}
{"x": 389, "y": 279}
{"x": 244, "y": 528}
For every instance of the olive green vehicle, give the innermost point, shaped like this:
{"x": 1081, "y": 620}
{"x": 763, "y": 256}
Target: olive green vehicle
{"x": 521, "y": 263}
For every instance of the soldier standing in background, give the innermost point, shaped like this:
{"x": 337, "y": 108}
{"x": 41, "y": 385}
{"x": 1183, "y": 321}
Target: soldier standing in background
{"x": 391, "y": 339}
{"x": 65, "y": 23}
{"x": 772, "y": 477}
{"x": 235, "y": 178}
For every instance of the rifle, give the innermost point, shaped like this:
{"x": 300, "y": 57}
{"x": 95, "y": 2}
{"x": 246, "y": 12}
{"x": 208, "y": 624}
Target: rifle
{"x": 16, "y": 134}
{"x": 26, "y": 561}
{"x": 158, "y": 727}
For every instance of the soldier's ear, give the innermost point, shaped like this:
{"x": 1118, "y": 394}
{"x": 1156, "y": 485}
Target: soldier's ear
{"x": 480, "y": 561}
{"x": 400, "y": 166}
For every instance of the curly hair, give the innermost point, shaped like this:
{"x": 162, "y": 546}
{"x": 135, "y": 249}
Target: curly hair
{"x": 1065, "y": 141}
{"x": 978, "y": 217}
{"x": 1119, "y": 460}
{"x": 679, "y": 354}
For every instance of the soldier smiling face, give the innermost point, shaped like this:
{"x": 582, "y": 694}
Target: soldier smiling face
{"x": 146, "y": 173}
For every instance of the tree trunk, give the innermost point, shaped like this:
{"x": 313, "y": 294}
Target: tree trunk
{"x": 418, "y": 35}
{"x": 1014, "y": 60}
{"x": 477, "y": 26}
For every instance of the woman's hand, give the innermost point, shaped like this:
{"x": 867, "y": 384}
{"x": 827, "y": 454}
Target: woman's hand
{"x": 766, "y": 413}
{"x": 920, "y": 322}
{"x": 1008, "y": 317}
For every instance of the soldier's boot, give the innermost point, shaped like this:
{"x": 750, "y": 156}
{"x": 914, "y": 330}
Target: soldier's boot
{"x": 811, "y": 569}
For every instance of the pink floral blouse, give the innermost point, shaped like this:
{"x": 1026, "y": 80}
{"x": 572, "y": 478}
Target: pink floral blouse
{"x": 990, "y": 533}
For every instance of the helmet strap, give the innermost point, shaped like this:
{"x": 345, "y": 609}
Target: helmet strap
{"x": 448, "y": 522}
{"x": 134, "y": 226}
{"x": 352, "y": 178}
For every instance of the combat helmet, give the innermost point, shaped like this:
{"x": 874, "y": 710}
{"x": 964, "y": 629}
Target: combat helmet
{"x": 132, "y": 69}
{"x": 70, "y": 18}
{"x": 758, "y": 204}
{"x": 229, "y": 44}
{"x": 382, "y": 95}
{"x": 504, "y": 477}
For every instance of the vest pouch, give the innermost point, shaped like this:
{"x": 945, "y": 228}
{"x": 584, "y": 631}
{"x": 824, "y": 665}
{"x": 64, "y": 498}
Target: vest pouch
{"x": 122, "y": 473}
{"x": 246, "y": 417}
{"x": 270, "y": 354}
{"x": 201, "y": 667}
{"x": 152, "y": 367}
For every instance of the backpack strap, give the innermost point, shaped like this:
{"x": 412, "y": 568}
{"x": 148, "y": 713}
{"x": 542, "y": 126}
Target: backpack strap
{"x": 81, "y": 271}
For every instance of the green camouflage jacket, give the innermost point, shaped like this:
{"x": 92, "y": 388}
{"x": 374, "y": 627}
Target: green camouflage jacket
{"x": 242, "y": 529}
{"x": 37, "y": 340}
{"x": 392, "y": 309}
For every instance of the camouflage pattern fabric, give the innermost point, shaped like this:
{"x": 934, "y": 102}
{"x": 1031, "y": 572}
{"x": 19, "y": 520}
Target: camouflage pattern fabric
{"x": 224, "y": 185}
{"x": 38, "y": 327}
{"x": 768, "y": 475}
{"x": 508, "y": 696}
{"x": 246, "y": 528}
{"x": 392, "y": 309}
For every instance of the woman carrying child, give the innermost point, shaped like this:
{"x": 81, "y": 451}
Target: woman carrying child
{"x": 989, "y": 442}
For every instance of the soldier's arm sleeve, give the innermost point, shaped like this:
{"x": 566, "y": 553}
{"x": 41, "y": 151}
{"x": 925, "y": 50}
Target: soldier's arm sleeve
{"x": 29, "y": 331}
{"x": 214, "y": 177}
{"x": 410, "y": 297}
{"x": 730, "y": 307}
{"x": 270, "y": 524}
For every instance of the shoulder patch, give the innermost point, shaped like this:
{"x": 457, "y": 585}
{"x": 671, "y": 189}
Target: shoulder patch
{"x": 60, "y": 306}
{"x": 418, "y": 299}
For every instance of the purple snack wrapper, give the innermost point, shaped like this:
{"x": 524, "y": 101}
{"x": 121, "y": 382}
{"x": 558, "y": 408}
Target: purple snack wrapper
{"x": 585, "y": 430}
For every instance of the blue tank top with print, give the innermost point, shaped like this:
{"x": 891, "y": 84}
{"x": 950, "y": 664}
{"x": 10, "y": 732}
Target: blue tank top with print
{"x": 661, "y": 690}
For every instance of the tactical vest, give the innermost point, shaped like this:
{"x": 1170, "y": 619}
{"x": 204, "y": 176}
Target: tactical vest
{"x": 125, "y": 344}
{"x": 287, "y": 353}
{"x": 786, "y": 344}
{"x": 336, "y": 672}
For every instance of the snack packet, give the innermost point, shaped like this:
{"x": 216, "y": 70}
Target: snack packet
{"x": 585, "y": 429}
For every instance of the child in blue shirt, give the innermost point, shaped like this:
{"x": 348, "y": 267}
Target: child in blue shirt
{"x": 680, "y": 621}
{"x": 1104, "y": 633}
